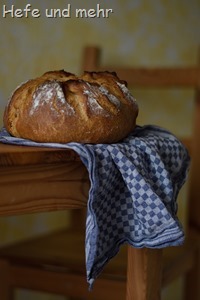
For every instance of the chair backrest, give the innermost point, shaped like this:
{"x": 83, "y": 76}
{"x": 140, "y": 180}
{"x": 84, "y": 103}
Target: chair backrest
{"x": 163, "y": 77}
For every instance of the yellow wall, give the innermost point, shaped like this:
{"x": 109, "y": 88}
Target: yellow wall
{"x": 138, "y": 32}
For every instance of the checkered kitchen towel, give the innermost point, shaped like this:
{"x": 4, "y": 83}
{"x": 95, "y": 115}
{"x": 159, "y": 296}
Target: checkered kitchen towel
{"x": 134, "y": 187}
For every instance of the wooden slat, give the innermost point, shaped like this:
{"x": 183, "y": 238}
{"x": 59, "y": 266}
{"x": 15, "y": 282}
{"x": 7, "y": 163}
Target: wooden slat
{"x": 37, "y": 179}
{"x": 43, "y": 187}
{"x": 91, "y": 58}
{"x": 71, "y": 285}
{"x": 159, "y": 77}
{"x": 183, "y": 77}
{"x": 11, "y": 155}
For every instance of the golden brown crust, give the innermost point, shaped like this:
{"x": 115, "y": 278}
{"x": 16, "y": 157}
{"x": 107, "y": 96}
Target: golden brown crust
{"x": 60, "y": 107}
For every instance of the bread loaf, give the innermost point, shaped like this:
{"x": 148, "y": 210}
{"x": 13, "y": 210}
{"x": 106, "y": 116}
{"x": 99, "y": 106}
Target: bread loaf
{"x": 61, "y": 107}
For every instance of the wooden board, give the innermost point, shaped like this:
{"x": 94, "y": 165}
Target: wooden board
{"x": 41, "y": 179}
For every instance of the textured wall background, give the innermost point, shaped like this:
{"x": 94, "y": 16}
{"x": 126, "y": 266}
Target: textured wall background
{"x": 138, "y": 32}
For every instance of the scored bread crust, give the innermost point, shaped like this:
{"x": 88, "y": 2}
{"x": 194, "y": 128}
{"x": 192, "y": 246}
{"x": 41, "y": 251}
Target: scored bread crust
{"x": 61, "y": 107}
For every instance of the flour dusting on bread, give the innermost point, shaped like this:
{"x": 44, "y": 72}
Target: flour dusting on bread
{"x": 47, "y": 93}
{"x": 92, "y": 96}
{"x": 110, "y": 96}
{"x": 126, "y": 92}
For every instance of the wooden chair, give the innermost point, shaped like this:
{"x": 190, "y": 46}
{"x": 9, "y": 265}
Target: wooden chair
{"x": 55, "y": 262}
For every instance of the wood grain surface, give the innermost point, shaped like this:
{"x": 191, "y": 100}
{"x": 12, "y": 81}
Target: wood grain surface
{"x": 41, "y": 179}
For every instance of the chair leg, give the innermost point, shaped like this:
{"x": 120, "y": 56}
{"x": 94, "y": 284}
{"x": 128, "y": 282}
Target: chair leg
{"x": 144, "y": 274}
{"x": 192, "y": 280}
{"x": 6, "y": 292}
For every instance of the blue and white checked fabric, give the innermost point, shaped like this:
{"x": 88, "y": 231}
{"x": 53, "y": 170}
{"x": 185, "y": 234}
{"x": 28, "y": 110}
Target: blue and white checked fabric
{"x": 134, "y": 188}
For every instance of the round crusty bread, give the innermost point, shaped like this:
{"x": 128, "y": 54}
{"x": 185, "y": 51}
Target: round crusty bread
{"x": 61, "y": 107}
